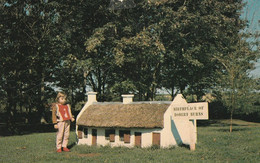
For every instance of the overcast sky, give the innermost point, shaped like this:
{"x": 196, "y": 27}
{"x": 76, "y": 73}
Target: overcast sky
{"x": 252, "y": 13}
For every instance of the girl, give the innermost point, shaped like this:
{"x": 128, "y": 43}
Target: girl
{"x": 61, "y": 117}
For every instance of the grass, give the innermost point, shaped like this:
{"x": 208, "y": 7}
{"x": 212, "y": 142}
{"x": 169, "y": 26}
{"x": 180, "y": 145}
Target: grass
{"x": 215, "y": 144}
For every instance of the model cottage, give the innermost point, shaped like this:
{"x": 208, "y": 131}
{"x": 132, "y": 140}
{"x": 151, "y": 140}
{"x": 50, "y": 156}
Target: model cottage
{"x": 132, "y": 124}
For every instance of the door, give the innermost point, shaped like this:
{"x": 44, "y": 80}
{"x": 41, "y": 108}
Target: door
{"x": 156, "y": 139}
{"x": 94, "y": 137}
{"x": 138, "y": 139}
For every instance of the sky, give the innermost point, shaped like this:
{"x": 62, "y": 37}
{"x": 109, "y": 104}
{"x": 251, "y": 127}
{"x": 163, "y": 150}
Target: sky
{"x": 252, "y": 13}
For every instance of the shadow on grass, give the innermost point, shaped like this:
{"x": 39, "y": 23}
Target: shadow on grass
{"x": 72, "y": 145}
{"x": 206, "y": 123}
{"x": 185, "y": 146}
{"x": 233, "y": 130}
{"x": 213, "y": 123}
{"x": 224, "y": 123}
{"x": 25, "y": 129}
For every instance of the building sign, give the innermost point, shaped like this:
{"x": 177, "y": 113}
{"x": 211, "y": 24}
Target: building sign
{"x": 183, "y": 110}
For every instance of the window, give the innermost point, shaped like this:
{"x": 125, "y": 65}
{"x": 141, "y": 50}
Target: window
{"x": 85, "y": 132}
{"x": 124, "y": 135}
{"x": 110, "y": 135}
{"x": 80, "y": 129}
{"x": 156, "y": 139}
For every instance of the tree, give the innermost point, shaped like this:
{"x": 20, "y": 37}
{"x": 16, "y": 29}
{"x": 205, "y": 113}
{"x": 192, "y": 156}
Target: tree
{"x": 177, "y": 45}
{"x": 185, "y": 36}
{"x": 237, "y": 88}
{"x": 28, "y": 37}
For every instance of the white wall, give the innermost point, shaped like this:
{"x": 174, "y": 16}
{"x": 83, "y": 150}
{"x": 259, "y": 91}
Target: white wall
{"x": 167, "y": 138}
{"x": 177, "y": 131}
{"x": 146, "y": 140}
{"x": 91, "y": 100}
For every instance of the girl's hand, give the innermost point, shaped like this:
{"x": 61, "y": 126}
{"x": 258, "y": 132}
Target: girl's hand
{"x": 72, "y": 119}
{"x": 56, "y": 126}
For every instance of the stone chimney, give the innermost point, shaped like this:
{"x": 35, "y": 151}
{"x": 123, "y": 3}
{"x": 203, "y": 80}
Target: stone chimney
{"x": 127, "y": 98}
{"x": 92, "y": 97}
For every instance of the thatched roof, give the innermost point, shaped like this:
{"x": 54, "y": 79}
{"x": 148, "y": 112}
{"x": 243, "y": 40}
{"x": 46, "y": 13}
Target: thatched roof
{"x": 141, "y": 115}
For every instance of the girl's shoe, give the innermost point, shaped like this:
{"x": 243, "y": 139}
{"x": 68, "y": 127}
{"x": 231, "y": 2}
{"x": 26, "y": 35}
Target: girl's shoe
{"x": 66, "y": 149}
{"x": 59, "y": 150}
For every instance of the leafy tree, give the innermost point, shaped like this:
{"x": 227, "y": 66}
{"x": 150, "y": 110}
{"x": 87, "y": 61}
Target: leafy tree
{"x": 28, "y": 38}
{"x": 235, "y": 84}
{"x": 237, "y": 57}
{"x": 177, "y": 45}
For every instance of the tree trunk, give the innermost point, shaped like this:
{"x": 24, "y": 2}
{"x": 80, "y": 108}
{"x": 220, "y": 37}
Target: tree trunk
{"x": 232, "y": 101}
{"x": 11, "y": 91}
{"x": 41, "y": 108}
{"x": 72, "y": 98}
{"x": 85, "y": 74}
{"x": 231, "y": 122}
{"x": 172, "y": 93}
{"x": 11, "y": 113}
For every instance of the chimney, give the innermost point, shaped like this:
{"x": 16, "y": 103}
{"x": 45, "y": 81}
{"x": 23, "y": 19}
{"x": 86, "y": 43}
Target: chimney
{"x": 92, "y": 97}
{"x": 127, "y": 98}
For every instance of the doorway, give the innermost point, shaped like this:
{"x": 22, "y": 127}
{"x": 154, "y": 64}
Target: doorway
{"x": 94, "y": 137}
{"x": 138, "y": 139}
{"x": 156, "y": 139}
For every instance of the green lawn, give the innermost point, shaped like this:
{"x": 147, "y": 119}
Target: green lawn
{"x": 215, "y": 144}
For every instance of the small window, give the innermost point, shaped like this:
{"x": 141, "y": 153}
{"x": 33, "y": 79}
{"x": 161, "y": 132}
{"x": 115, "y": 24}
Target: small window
{"x": 156, "y": 139}
{"x": 80, "y": 129}
{"x": 124, "y": 135}
{"x": 85, "y": 132}
{"x": 110, "y": 135}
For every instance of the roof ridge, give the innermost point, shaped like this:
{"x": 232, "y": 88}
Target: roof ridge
{"x": 138, "y": 102}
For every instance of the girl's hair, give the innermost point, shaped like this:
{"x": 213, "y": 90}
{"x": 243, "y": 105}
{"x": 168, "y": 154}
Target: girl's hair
{"x": 60, "y": 94}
